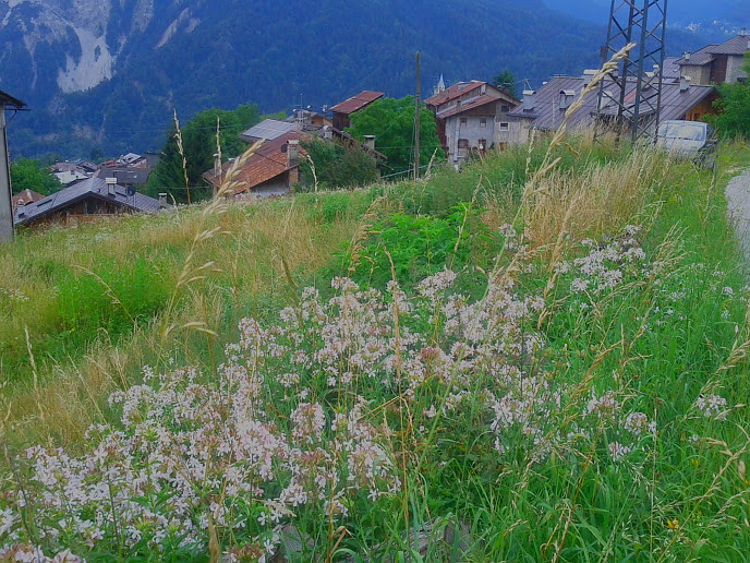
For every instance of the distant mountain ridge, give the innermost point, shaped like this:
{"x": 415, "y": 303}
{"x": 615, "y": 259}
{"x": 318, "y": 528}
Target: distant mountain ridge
{"x": 106, "y": 74}
{"x": 712, "y": 17}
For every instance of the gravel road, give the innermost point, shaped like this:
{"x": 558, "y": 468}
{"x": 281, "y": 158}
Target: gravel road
{"x": 738, "y": 209}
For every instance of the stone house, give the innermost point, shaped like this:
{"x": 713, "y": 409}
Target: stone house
{"x": 717, "y": 64}
{"x": 471, "y": 117}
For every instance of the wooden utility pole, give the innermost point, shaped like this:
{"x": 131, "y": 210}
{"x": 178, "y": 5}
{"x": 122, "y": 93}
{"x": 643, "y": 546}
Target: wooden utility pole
{"x": 417, "y": 104}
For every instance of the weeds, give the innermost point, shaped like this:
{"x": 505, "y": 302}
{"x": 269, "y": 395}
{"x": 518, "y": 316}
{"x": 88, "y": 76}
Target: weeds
{"x": 581, "y": 397}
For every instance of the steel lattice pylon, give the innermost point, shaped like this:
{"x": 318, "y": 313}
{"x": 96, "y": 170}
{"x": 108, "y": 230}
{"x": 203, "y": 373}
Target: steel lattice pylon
{"x": 630, "y": 98}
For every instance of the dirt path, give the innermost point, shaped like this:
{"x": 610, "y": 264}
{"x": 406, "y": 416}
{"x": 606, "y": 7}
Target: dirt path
{"x": 738, "y": 209}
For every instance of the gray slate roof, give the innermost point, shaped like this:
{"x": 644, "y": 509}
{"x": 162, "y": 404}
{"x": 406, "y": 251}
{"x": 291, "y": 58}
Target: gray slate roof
{"x": 93, "y": 187}
{"x": 548, "y": 116}
{"x": 126, "y": 176}
{"x": 268, "y": 129}
{"x": 671, "y": 69}
{"x": 737, "y": 45}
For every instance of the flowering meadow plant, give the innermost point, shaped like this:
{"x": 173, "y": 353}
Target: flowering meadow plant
{"x": 336, "y": 409}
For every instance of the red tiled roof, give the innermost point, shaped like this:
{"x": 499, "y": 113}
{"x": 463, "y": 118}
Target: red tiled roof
{"x": 357, "y": 102}
{"x": 27, "y": 196}
{"x": 456, "y": 90}
{"x": 472, "y": 104}
{"x": 263, "y": 165}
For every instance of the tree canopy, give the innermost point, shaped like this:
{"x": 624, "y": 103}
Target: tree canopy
{"x": 336, "y": 166}
{"x": 734, "y": 107}
{"x": 392, "y": 123}
{"x": 506, "y": 82}
{"x": 199, "y": 146}
{"x": 30, "y": 174}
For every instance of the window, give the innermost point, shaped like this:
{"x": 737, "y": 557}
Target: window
{"x": 504, "y": 126}
{"x": 463, "y": 121}
{"x": 463, "y": 143}
{"x": 505, "y": 109}
{"x": 483, "y": 122}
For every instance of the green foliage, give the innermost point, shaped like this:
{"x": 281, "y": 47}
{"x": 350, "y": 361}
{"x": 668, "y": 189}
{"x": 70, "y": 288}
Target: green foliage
{"x": 422, "y": 245}
{"x": 392, "y": 123}
{"x": 199, "y": 146}
{"x": 336, "y": 166}
{"x": 734, "y": 107}
{"x": 110, "y": 299}
{"x": 28, "y": 174}
{"x": 671, "y": 330}
{"x": 506, "y": 82}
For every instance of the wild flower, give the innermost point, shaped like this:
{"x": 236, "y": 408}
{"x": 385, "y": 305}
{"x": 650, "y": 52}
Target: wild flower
{"x": 617, "y": 451}
{"x": 300, "y": 420}
{"x": 711, "y": 406}
{"x": 604, "y": 407}
{"x": 637, "y": 423}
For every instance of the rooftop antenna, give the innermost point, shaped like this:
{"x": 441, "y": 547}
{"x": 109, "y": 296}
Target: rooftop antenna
{"x": 634, "y": 97}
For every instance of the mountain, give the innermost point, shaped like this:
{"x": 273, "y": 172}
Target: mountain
{"x": 105, "y": 75}
{"x": 712, "y": 19}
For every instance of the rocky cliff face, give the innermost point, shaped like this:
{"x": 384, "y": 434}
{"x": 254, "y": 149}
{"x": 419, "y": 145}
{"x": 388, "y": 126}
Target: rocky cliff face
{"x": 74, "y": 45}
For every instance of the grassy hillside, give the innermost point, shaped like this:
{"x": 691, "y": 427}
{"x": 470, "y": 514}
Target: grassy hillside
{"x": 543, "y": 356}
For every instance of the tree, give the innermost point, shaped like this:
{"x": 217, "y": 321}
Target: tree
{"x": 30, "y": 174}
{"x": 734, "y": 107}
{"x": 199, "y": 147}
{"x": 506, "y": 82}
{"x": 392, "y": 123}
{"x": 336, "y": 166}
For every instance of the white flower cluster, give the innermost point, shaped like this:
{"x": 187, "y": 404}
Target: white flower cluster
{"x": 711, "y": 406}
{"x": 301, "y": 418}
{"x": 605, "y": 265}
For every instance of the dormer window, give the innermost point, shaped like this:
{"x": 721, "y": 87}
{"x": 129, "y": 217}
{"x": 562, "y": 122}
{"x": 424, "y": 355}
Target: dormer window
{"x": 566, "y": 98}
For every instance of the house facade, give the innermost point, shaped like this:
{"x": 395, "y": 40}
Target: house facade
{"x": 471, "y": 117}
{"x": 717, "y": 64}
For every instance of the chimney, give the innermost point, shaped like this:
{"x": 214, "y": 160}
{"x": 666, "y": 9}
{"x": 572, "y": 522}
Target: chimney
{"x": 528, "y": 100}
{"x": 292, "y": 160}
{"x": 162, "y": 200}
{"x": 684, "y": 83}
{"x": 21, "y": 208}
{"x": 686, "y": 56}
{"x": 370, "y": 142}
{"x": 111, "y": 183}
{"x": 588, "y": 76}
{"x": 743, "y": 31}
{"x": 292, "y": 153}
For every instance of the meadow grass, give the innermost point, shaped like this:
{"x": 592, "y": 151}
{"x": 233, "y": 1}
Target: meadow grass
{"x": 568, "y": 382}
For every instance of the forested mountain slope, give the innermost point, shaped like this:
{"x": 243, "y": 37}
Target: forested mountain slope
{"x": 106, "y": 74}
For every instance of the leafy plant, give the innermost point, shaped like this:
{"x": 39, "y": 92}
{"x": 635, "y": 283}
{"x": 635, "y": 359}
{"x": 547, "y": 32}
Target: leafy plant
{"x": 332, "y": 166}
{"x": 392, "y": 123}
{"x": 28, "y": 174}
